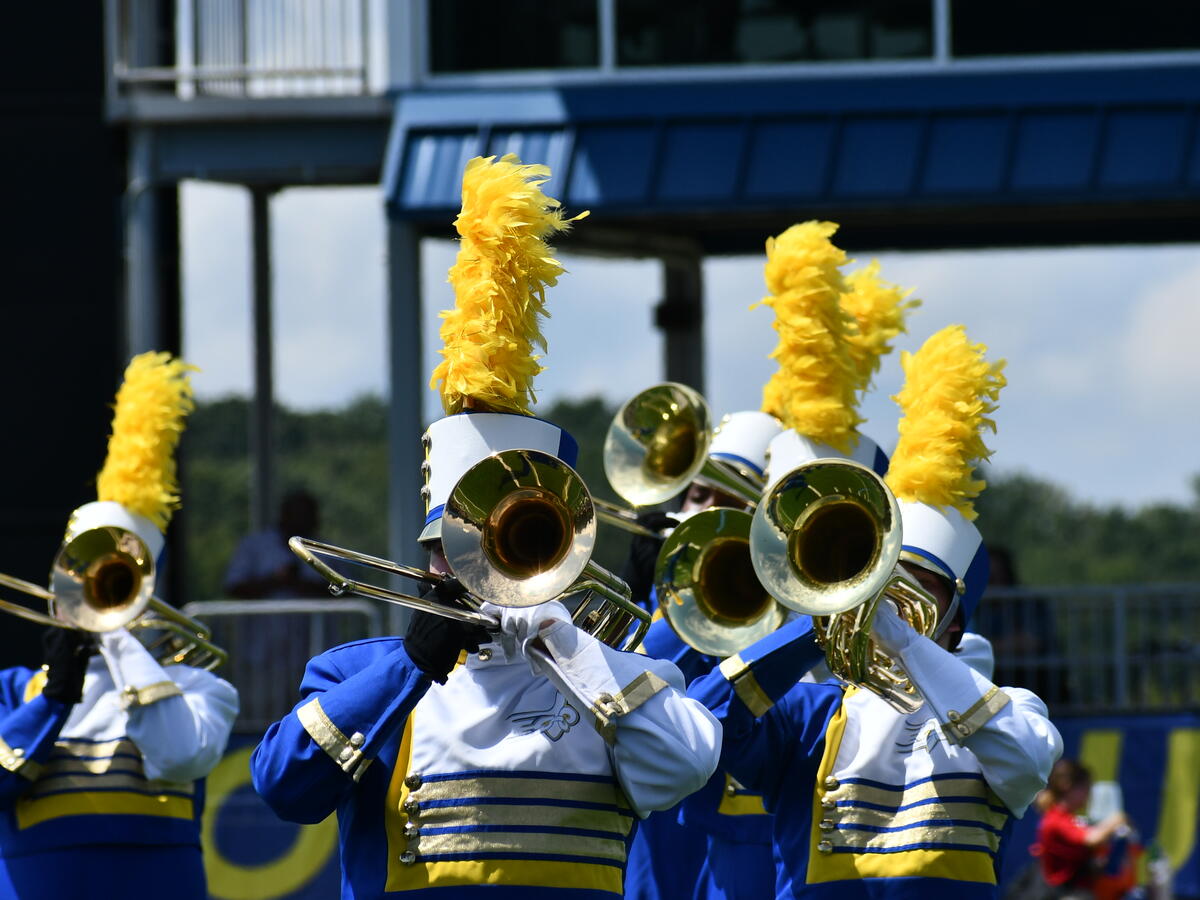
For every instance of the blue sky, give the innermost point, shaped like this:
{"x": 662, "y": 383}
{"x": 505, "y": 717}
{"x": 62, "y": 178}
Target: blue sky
{"x": 1101, "y": 342}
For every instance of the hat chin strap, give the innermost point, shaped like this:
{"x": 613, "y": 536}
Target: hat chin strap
{"x": 944, "y": 621}
{"x": 957, "y": 587}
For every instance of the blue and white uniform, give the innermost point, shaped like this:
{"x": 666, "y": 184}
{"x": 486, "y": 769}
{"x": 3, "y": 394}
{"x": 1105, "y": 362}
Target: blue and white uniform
{"x": 522, "y": 776}
{"x": 869, "y": 802}
{"x": 103, "y": 798}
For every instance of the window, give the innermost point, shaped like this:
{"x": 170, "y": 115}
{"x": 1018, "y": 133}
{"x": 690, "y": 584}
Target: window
{"x": 681, "y": 32}
{"x": 1071, "y": 26}
{"x": 469, "y": 36}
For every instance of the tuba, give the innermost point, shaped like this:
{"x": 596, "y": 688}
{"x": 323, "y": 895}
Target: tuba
{"x": 826, "y": 542}
{"x": 518, "y": 530}
{"x": 103, "y": 579}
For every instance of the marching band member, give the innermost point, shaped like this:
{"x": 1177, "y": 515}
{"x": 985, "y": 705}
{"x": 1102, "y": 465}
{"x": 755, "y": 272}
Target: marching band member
{"x": 104, "y": 750}
{"x": 868, "y": 801}
{"x": 833, "y": 332}
{"x": 522, "y": 771}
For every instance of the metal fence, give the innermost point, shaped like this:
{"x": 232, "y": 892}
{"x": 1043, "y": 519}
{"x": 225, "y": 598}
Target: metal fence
{"x": 270, "y": 641}
{"x": 1092, "y": 650}
{"x": 241, "y": 48}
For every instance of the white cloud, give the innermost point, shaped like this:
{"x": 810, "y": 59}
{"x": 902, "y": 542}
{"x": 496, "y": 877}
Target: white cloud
{"x": 1159, "y": 355}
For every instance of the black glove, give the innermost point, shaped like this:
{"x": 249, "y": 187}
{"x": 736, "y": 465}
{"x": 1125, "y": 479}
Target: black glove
{"x": 66, "y": 652}
{"x": 434, "y": 642}
{"x": 638, "y": 571}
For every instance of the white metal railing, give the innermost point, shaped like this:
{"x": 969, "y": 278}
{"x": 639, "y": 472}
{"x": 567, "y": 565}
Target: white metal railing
{"x": 271, "y": 641}
{"x": 1091, "y": 650}
{"x": 240, "y": 48}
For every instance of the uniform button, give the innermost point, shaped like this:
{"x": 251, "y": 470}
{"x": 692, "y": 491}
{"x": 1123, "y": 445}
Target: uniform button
{"x": 485, "y": 654}
{"x": 18, "y": 752}
{"x": 825, "y": 847}
{"x": 952, "y": 715}
{"x": 345, "y": 755}
{"x": 963, "y": 729}
{"x": 411, "y": 830}
{"x": 826, "y": 825}
{"x": 731, "y": 790}
{"x": 408, "y": 857}
{"x": 412, "y": 807}
{"x": 832, "y": 783}
{"x": 413, "y": 781}
{"x": 357, "y": 739}
{"x": 828, "y": 804}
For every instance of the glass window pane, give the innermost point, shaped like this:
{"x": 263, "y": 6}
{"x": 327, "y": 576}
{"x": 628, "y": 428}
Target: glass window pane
{"x": 670, "y": 32}
{"x": 468, "y": 36}
{"x": 1071, "y": 26}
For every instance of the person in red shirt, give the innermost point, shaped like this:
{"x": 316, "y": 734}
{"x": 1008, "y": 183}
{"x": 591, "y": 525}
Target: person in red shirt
{"x": 1072, "y": 851}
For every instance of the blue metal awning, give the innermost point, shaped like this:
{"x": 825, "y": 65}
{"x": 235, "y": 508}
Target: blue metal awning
{"x": 953, "y": 157}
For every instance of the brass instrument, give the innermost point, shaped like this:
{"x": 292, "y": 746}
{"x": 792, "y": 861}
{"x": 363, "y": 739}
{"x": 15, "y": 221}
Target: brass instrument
{"x": 656, "y": 446}
{"x": 707, "y": 588}
{"x": 103, "y": 579}
{"x": 826, "y": 542}
{"x": 518, "y": 530}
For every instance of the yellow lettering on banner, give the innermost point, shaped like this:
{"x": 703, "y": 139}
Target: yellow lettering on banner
{"x": 1181, "y": 796}
{"x": 228, "y": 880}
{"x": 1100, "y": 751}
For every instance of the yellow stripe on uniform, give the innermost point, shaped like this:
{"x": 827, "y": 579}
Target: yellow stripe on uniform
{"x": 531, "y": 873}
{"x": 735, "y": 802}
{"x": 34, "y": 811}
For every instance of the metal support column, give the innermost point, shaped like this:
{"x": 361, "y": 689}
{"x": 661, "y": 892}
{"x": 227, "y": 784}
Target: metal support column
{"x": 406, "y": 379}
{"x": 142, "y": 302}
{"x": 680, "y": 317}
{"x": 262, "y": 424}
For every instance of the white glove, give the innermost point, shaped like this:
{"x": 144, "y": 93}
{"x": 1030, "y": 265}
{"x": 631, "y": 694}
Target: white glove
{"x": 524, "y": 625}
{"x": 891, "y": 632}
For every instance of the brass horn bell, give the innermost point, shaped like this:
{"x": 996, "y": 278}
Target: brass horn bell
{"x": 518, "y": 530}
{"x": 102, "y": 579}
{"x": 826, "y": 542}
{"x": 707, "y": 588}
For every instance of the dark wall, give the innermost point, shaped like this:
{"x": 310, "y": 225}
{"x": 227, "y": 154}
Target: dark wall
{"x": 62, "y": 354}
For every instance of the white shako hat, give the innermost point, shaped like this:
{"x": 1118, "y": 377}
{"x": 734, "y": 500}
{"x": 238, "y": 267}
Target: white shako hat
{"x": 941, "y": 540}
{"x": 100, "y": 513}
{"x": 791, "y": 449}
{"x": 455, "y": 443}
{"x": 741, "y": 439}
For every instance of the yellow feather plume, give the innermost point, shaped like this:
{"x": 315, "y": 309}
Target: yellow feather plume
{"x": 500, "y": 277}
{"x": 139, "y": 471}
{"x": 814, "y": 389}
{"x": 950, "y": 391}
{"x": 878, "y": 308}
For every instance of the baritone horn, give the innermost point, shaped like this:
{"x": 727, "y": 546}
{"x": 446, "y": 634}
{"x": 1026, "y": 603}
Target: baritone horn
{"x": 518, "y": 530}
{"x": 826, "y": 542}
{"x": 656, "y": 445}
{"x": 103, "y": 579}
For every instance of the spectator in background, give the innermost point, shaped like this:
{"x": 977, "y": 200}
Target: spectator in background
{"x": 263, "y": 567}
{"x": 1072, "y": 851}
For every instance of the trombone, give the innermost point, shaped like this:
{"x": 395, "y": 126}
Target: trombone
{"x": 518, "y": 530}
{"x": 103, "y": 579}
{"x": 656, "y": 445}
{"x": 826, "y": 542}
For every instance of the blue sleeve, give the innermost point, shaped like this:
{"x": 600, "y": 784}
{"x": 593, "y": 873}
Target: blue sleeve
{"x": 27, "y": 733}
{"x": 312, "y": 758}
{"x": 767, "y": 717}
{"x": 661, "y": 642}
